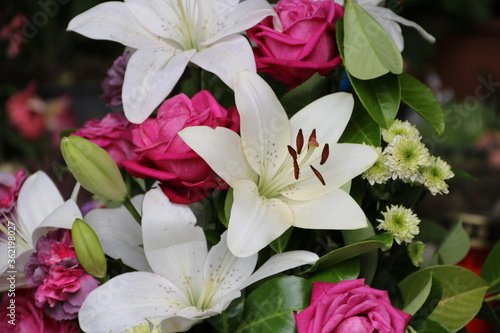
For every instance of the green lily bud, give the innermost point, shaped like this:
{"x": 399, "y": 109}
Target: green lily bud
{"x": 88, "y": 249}
{"x": 93, "y": 168}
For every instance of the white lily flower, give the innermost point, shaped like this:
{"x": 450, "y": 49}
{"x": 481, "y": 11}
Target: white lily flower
{"x": 40, "y": 207}
{"x": 279, "y": 178}
{"x": 168, "y": 34}
{"x": 189, "y": 283}
{"x": 390, "y": 21}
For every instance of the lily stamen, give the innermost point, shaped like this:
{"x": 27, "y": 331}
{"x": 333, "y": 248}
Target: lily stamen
{"x": 318, "y": 175}
{"x": 299, "y": 141}
{"x": 324, "y": 154}
{"x": 312, "y": 139}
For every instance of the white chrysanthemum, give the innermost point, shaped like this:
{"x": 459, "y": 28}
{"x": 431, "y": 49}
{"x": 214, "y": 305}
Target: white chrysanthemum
{"x": 378, "y": 172}
{"x": 401, "y": 222}
{"x": 433, "y": 176}
{"x": 398, "y": 127}
{"x": 405, "y": 156}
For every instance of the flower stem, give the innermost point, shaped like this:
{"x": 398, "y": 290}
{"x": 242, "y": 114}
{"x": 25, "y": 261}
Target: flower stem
{"x": 196, "y": 75}
{"x": 128, "y": 204}
{"x": 493, "y": 298}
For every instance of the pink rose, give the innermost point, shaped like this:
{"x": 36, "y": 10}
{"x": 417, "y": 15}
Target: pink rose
{"x": 60, "y": 281}
{"x": 350, "y": 306}
{"x": 305, "y": 46}
{"x": 112, "y": 133}
{"x": 162, "y": 155}
{"x": 29, "y": 317}
{"x": 9, "y": 190}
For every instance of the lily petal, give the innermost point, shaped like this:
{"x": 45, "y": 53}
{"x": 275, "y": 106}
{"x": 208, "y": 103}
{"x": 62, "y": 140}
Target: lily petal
{"x": 128, "y": 299}
{"x": 120, "y": 234}
{"x": 265, "y": 127}
{"x": 5, "y": 272}
{"x": 281, "y": 262}
{"x": 333, "y": 111}
{"x": 255, "y": 221}
{"x": 228, "y": 56}
{"x": 150, "y": 76}
{"x": 174, "y": 246}
{"x": 112, "y": 21}
{"x": 221, "y": 149}
{"x": 61, "y": 217}
{"x": 336, "y": 210}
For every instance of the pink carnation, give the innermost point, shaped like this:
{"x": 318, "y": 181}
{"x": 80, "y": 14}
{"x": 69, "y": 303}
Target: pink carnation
{"x": 20, "y": 309}
{"x": 9, "y": 190}
{"x": 60, "y": 281}
{"x": 113, "y": 133}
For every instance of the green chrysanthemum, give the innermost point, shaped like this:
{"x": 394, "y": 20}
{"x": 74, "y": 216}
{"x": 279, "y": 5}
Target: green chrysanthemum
{"x": 401, "y": 222}
{"x": 433, "y": 176}
{"x": 405, "y": 156}
{"x": 378, "y": 172}
{"x": 398, "y": 127}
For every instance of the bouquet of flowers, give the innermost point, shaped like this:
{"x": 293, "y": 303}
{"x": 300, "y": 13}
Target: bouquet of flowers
{"x": 252, "y": 176}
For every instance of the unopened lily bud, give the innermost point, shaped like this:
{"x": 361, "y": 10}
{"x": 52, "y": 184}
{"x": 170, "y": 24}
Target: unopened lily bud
{"x": 93, "y": 168}
{"x": 88, "y": 249}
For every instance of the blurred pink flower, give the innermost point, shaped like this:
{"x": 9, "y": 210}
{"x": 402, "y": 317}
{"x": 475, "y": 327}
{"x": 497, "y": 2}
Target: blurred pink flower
{"x": 27, "y": 317}
{"x": 113, "y": 133}
{"x": 60, "y": 281}
{"x": 113, "y": 82}
{"x": 13, "y": 33}
{"x": 9, "y": 190}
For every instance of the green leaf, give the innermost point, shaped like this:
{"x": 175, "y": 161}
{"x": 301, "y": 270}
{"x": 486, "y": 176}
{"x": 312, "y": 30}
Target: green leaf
{"x": 415, "y": 293}
{"x": 227, "y": 321}
{"x": 454, "y": 247}
{"x": 361, "y": 128}
{"x": 369, "y": 260}
{"x": 419, "y": 97}
{"x": 382, "y": 241}
{"x": 369, "y": 52}
{"x": 302, "y": 95}
{"x": 346, "y": 270}
{"x": 431, "y": 326}
{"x": 270, "y": 307}
{"x": 491, "y": 269}
{"x": 380, "y": 96}
{"x": 462, "y": 294}
{"x": 488, "y": 314}
{"x": 279, "y": 244}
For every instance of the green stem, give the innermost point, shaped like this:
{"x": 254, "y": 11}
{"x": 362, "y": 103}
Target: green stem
{"x": 197, "y": 78}
{"x": 132, "y": 210}
{"x": 493, "y": 298}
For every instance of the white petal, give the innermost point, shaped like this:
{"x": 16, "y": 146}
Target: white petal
{"x": 112, "y": 21}
{"x": 265, "y": 127}
{"x": 335, "y": 211}
{"x": 224, "y": 273}
{"x": 120, "y": 234}
{"x": 62, "y": 217}
{"x": 329, "y": 115}
{"x": 38, "y": 197}
{"x": 150, "y": 76}
{"x": 234, "y": 19}
{"x": 221, "y": 149}
{"x": 345, "y": 161}
{"x": 227, "y": 57}
{"x": 281, "y": 262}
{"x": 255, "y": 221}
{"x": 174, "y": 246}
{"x": 22, "y": 259}
{"x": 128, "y": 299}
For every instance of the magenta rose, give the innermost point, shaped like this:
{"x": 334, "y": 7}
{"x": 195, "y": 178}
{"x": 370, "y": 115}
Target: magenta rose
{"x": 20, "y": 309}
{"x": 9, "y": 189}
{"x": 112, "y": 133}
{"x": 306, "y": 44}
{"x": 162, "y": 155}
{"x": 350, "y": 306}
{"x": 60, "y": 281}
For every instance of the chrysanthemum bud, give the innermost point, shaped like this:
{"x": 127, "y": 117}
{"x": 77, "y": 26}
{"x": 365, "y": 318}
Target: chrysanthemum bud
{"x": 88, "y": 249}
{"x": 93, "y": 168}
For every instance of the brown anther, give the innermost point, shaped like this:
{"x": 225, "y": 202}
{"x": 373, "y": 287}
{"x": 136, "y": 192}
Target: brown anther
{"x": 292, "y": 152}
{"x": 324, "y": 154}
{"x": 296, "y": 169}
{"x": 312, "y": 139}
{"x": 318, "y": 175}
{"x": 299, "y": 141}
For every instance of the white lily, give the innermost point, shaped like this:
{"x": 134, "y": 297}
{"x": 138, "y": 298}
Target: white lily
{"x": 168, "y": 34}
{"x": 279, "y": 179}
{"x": 189, "y": 283}
{"x": 390, "y": 21}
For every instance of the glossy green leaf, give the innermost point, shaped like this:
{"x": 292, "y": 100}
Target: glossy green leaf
{"x": 415, "y": 293}
{"x": 431, "y": 326}
{"x": 346, "y": 270}
{"x": 462, "y": 294}
{"x": 491, "y": 269}
{"x": 380, "y": 96}
{"x": 302, "y": 95}
{"x": 419, "y": 97}
{"x": 361, "y": 128}
{"x": 368, "y": 261}
{"x": 280, "y": 243}
{"x": 270, "y": 307}
{"x": 369, "y": 52}
{"x": 227, "y": 321}
{"x": 454, "y": 247}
